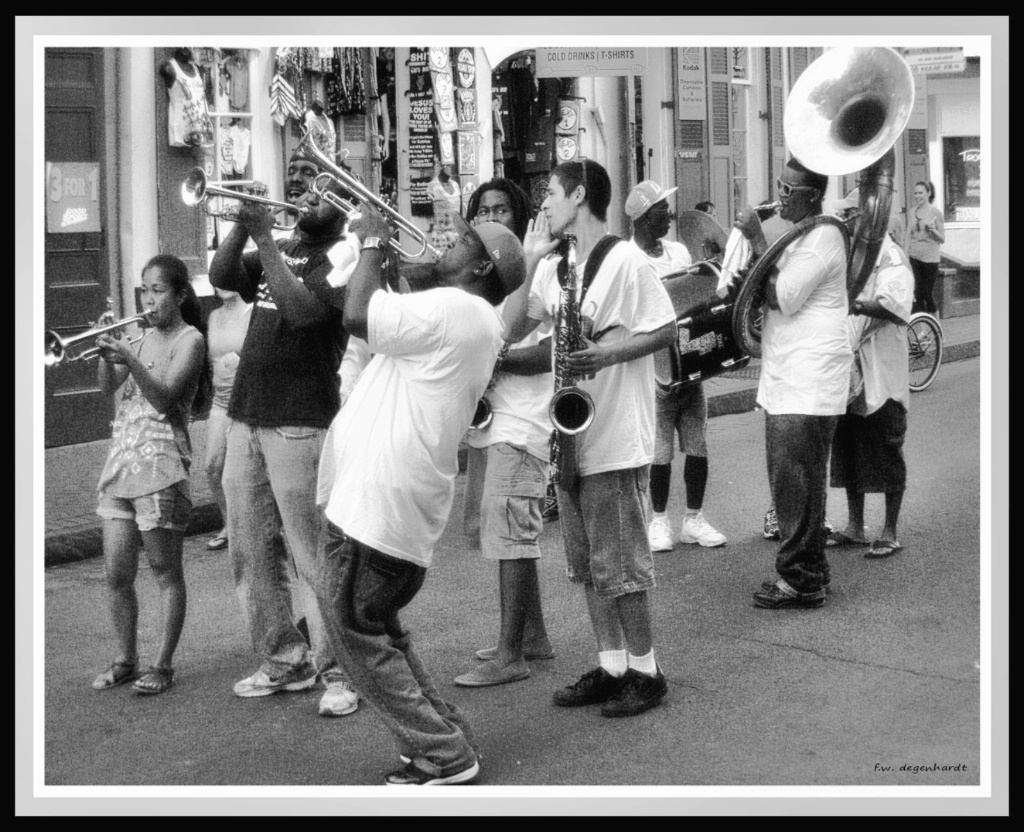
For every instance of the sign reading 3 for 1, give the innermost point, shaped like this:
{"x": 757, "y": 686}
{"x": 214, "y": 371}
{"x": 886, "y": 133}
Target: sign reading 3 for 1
{"x": 72, "y": 197}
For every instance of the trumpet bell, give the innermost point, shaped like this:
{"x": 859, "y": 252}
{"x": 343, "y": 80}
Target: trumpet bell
{"x": 848, "y": 108}
{"x": 193, "y": 189}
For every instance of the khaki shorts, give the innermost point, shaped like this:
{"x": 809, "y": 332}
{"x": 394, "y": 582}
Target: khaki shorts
{"x": 683, "y": 414}
{"x": 513, "y": 497}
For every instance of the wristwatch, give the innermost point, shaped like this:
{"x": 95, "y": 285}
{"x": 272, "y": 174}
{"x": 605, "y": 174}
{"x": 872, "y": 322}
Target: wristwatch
{"x": 858, "y": 308}
{"x": 373, "y": 242}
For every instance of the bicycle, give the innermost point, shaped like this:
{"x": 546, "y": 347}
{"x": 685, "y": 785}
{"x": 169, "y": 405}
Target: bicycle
{"x": 924, "y": 345}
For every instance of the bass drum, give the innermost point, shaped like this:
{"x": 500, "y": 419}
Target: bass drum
{"x": 704, "y": 344}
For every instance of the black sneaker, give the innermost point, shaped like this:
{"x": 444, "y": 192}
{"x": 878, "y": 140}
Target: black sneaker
{"x": 639, "y": 693}
{"x": 550, "y": 510}
{"x": 767, "y": 585}
{"x": 412, "y": 776}
{"x": 775, "y": 599}
{"x": 593, "y": 687}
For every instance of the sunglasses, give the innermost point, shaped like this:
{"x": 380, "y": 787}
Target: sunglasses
{"x": 785, "y": 189}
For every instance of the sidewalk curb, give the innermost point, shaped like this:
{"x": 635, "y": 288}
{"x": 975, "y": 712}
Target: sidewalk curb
{"x": 72, "y": 547}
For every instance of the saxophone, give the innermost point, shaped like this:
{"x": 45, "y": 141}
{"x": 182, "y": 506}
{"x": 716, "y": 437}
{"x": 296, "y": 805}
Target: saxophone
{"x": 571, "y": 409}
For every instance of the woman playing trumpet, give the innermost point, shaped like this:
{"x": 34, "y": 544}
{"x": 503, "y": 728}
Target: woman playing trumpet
{"x": 144, "y": 487}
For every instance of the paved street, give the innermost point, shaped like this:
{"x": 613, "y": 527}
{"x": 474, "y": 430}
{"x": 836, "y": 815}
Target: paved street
{"x": 885, "y": 676}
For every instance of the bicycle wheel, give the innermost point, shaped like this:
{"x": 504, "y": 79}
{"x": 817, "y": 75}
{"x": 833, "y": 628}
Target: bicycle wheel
{"x": 924, "y": 344}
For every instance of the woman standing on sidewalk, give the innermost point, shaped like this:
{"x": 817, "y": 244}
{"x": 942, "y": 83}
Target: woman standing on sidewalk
{"x": 925, "y": 233}
{"x": 226, "y": 333}
{"x": 144, "y": 487}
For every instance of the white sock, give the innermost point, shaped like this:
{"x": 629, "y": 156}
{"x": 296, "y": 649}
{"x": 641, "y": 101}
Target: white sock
{"x": 691, "y": 512}
{"x": 643, "y": 664}
{"x": 660, "y": 515}
{"x": 614, "y": 661}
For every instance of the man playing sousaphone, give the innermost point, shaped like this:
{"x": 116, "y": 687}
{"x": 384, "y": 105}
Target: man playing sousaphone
{"x": 804, "y": 383}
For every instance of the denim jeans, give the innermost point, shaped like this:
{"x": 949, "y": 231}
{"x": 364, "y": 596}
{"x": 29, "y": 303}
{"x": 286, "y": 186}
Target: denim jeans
{"x": 361, "y": 592}
{"x": 270, "y": 484}
{"x": 797, "y": 447}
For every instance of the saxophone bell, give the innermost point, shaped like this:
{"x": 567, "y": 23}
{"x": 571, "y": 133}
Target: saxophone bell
{"x": 571, "y": 410}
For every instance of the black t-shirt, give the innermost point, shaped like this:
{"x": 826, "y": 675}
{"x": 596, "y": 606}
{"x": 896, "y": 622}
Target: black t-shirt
{"x": 288, "y": 375}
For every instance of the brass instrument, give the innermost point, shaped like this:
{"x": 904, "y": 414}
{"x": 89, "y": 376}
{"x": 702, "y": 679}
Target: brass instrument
{"x": 844, "y": 114}
{"x": 196, "y": 190}
{"x": 55, "y": 348}
{"x": 571, "y": 409}
{"x": 335, "y": 173}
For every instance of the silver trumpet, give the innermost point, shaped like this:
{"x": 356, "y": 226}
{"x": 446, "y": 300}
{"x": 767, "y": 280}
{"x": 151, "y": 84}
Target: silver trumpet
{"x": 196, "y": 190}
{"x": 335, "y": 173}
{"x": 55, "y": 348}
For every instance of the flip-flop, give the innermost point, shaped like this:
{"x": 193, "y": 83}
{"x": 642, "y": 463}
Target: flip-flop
{"x": 489, "y": 673}
{"x": 155, "y": 680}
{"x": 883, "y": 549}
{"x": 117, "y": 674}
{"x": 837, "y": 539}
{"x": 489, "y": 653}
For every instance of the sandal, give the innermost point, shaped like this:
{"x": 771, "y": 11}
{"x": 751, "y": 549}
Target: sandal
{"x": 883, "y": 549}
{"x": 154, "y": 680}
{"x": 117, "y": 674}
{"x": 837, "y": 539}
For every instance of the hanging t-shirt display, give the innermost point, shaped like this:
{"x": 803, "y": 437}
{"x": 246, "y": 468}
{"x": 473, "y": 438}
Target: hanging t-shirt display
{"x": 444, "y": 89}
{"x": 188, "y": 120}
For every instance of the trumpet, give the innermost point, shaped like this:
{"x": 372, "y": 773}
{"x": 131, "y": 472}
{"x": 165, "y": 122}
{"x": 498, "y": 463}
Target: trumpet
{"x": 765, "y": 211}
{"x": 196, "y": 189}
{"x": 55, "y": 348}
{"x": 336, "y": 173}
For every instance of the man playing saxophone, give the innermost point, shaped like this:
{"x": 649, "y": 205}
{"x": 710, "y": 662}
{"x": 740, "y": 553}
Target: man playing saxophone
{"x": 602, "y": 508}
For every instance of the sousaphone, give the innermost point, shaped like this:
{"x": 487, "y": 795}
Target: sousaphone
{"x": 844, "y": 114}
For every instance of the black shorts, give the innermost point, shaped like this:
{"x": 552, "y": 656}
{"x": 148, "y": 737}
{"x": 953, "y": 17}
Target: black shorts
{"x": 867, "y": 451}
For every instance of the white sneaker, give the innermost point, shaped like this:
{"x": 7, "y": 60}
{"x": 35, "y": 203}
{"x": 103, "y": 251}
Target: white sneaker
{"x": 339, "y": 699}
{"x": 698, "y": 530}
{"x": 659, "y": 535}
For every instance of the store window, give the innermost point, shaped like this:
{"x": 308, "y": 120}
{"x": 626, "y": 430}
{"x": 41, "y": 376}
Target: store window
{"x": 961, "y": 163}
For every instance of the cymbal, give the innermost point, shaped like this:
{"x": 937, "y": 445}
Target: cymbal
{"x": 703, "y": 237}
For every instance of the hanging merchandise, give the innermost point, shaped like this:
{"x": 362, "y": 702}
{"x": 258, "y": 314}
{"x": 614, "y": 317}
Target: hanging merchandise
{"x": 447, "y": 148}
{"x": 284, "y": 102}
{"x": 444, "y": 89}
{"x": 567, "y": 131}
{"x": 241, "y": 139}
{"x": 188, "y": 119}
{"x": 346, "y": 83}
{"x": 324, "y": 134}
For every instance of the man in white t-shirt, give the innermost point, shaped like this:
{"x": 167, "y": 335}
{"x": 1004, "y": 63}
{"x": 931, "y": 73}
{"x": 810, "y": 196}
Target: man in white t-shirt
{"x": 603, "y": 510}
{"x": 804, "y": 384}
{"x": 683, "y": 412}
{"x": 387, "y": 475}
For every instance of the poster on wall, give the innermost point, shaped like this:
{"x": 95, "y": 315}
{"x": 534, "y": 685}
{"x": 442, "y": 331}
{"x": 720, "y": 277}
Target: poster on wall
{"x": 467, "y": 153}
{"x": 567, "y": 129}
{"x": 447, "y": 148}
{"x": 421, "y": 112}
{"x": 444, "y": 89}
{"x": 465, "y": 95}
{"x": 72, "y": 197}
{"x": 420, "y": 202}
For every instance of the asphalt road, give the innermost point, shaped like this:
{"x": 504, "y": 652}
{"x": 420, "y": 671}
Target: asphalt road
{"x": 884, "y": 677}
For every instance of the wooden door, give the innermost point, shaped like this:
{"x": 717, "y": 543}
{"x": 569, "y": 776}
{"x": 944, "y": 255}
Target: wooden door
{"x": 77, "y": 271}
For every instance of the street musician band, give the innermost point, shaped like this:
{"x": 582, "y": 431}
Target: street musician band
{"x": 339, "y": 474}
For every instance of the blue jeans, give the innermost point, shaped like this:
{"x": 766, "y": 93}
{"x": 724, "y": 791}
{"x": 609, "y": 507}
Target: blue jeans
{"x": 270, "y": 484}
{"x": 361, "y": 592}
{"x": 797, "y": 448}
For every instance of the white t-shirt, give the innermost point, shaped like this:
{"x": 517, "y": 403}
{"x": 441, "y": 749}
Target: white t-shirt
{"x": 674, "y": 257}
{"x": 627, "y": 296}
{"x": 884, "y": 359}
{"x": 805, "y": 346}
{"x": 387, "y": 472}
{"x": 519, "y": 405}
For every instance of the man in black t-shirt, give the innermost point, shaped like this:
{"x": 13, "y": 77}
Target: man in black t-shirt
{"x": 284, "y": 399}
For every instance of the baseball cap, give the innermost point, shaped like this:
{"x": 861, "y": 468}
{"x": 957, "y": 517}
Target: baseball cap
{"x": 502, "y": 247}
{"x": 851, "y": 200}
{"x": 643, "y": 196}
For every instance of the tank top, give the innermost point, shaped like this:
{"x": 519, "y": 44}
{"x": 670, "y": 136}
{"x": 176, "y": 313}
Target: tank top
{"x": 149, "y": 451}
{"x": 188, "y": 123}
{"x": 225, "y": 339}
